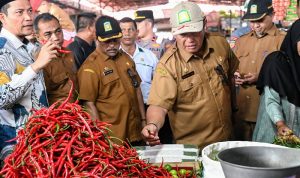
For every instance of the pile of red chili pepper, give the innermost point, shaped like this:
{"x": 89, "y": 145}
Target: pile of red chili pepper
{"x": 63, "y": 141}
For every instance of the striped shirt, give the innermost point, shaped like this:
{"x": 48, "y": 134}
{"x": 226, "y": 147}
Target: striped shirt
{"x": 21, "y": 89}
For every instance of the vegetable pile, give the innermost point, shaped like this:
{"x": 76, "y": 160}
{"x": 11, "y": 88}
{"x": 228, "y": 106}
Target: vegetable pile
{"x": 177, "y": 172}
{"x": 63, "y": 141}
{"x": 288, "y": 140}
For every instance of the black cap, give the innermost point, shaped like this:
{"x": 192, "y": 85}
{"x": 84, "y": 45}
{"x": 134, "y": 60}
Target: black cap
{"x": 107, "y": 28}
{"x": 257, "y": 9}
{"x": 142, "y": 15}
{"x": 4, "y": 2}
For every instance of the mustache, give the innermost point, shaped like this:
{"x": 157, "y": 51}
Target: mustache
{"x": 113, "y": 50}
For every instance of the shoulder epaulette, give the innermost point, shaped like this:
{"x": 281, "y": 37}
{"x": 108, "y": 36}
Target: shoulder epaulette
{"x": 168, "y": 54}
{"x": 2, "y": 42}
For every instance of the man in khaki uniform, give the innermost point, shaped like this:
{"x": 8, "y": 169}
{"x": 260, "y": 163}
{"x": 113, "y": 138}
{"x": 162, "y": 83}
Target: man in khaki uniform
{"x": 192, "y": 83}
{"x": 61, "y": 71}
{"x": 110, "y": 85}
{"x": 251, "y": 49}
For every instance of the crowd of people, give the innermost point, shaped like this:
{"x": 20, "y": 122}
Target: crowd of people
{"x": 196, "y": 89}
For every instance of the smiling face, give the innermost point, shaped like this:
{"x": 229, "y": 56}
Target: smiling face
{"x": 19, "y": 18}
{"x": 190, "y": 42}
{"x": 50, "y": 31}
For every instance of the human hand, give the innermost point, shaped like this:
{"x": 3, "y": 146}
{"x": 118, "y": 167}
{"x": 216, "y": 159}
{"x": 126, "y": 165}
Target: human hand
{"x": 283, "y": 130}
{"x": 150, "y": 134}
{"x": 250, "y": 78}
{"x": 238, "y": 79}
{"x": 46, "y": 54}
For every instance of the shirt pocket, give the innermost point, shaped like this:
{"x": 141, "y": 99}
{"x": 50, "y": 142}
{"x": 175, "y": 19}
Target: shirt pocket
{"x": 244, "y": 60}
{"x": 111, "y": 85}
{"x": 191, "y": 89}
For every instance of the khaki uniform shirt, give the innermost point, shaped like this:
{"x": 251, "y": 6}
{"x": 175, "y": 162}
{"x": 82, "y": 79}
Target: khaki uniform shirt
{"x": 196, "y": 96}
{"x": 58, "y": 75}
{"x": 251, "y": 52}
{"x": 106, "y": 82}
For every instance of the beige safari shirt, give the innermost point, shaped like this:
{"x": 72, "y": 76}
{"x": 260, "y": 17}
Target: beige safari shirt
{"x": 58, "y": 75}
{"x": 196, "y": 96}
{"x": 251, "y": 52}
{"x": 106, "y": 82}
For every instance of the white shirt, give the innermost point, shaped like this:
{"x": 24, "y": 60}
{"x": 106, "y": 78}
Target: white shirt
{"x": 145, "y": 62}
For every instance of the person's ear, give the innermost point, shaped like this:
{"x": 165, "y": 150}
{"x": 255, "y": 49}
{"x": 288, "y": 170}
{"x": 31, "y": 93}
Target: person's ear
{"x": 2, "y": 18}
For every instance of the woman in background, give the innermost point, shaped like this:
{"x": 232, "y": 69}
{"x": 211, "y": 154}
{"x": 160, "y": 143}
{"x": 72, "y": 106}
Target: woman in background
{"x": 279, "y": 86}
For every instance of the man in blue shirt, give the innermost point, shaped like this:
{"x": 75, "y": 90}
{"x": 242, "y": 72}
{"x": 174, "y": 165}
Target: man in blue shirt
{"x": 144, "y": 59}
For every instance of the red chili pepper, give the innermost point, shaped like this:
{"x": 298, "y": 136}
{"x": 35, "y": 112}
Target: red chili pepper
{"x": 64, "y": 141}
{"x": 59, "y": 50}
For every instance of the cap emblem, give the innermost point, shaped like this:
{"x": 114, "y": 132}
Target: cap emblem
{"x": 107, "y": 26}
{"x": 183, "y": 16}
{"x": 253, "y": 9}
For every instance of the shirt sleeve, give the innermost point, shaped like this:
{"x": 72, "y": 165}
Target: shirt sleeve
{"x": 273, "y": 106}
{"x": 88, "y": 83}
{"x": 163, "y": 90}
{"x": 13, "y": 86}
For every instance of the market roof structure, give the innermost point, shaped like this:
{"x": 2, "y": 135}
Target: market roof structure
{"x": 123, "y": 5}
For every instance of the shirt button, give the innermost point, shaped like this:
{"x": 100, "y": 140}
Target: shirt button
{"x": 248, "y": 97}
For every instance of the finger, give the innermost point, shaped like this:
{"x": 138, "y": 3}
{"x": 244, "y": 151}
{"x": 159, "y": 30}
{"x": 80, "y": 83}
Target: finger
{"x": 146, "y": 134}
{"x": 53, "y": 46}
{"x": 154, "y": 143}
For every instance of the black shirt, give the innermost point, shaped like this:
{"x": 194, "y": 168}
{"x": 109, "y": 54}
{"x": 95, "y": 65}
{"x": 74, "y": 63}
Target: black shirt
{"x": 81, "y": 50}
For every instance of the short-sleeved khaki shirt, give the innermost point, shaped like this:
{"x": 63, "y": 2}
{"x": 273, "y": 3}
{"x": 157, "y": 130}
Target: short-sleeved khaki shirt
{"x": 58, "y": 75}
{"x": 251, "y": 52}
{"x": 106, "y": 82}
{"x": 196, "y": 96}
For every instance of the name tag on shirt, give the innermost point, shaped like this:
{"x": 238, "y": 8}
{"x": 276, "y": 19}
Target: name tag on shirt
{"x": 188, "y": 75}
{"x": 107, "y": 71}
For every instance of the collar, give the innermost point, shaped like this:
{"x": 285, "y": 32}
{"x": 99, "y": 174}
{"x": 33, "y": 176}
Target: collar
{"x": 204, "y": 51}
{"x": 138, "y": 49}
{"x": 106, "y": 57}
{"x": 272, "y": 31}
{"x": 15, "y": 41}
